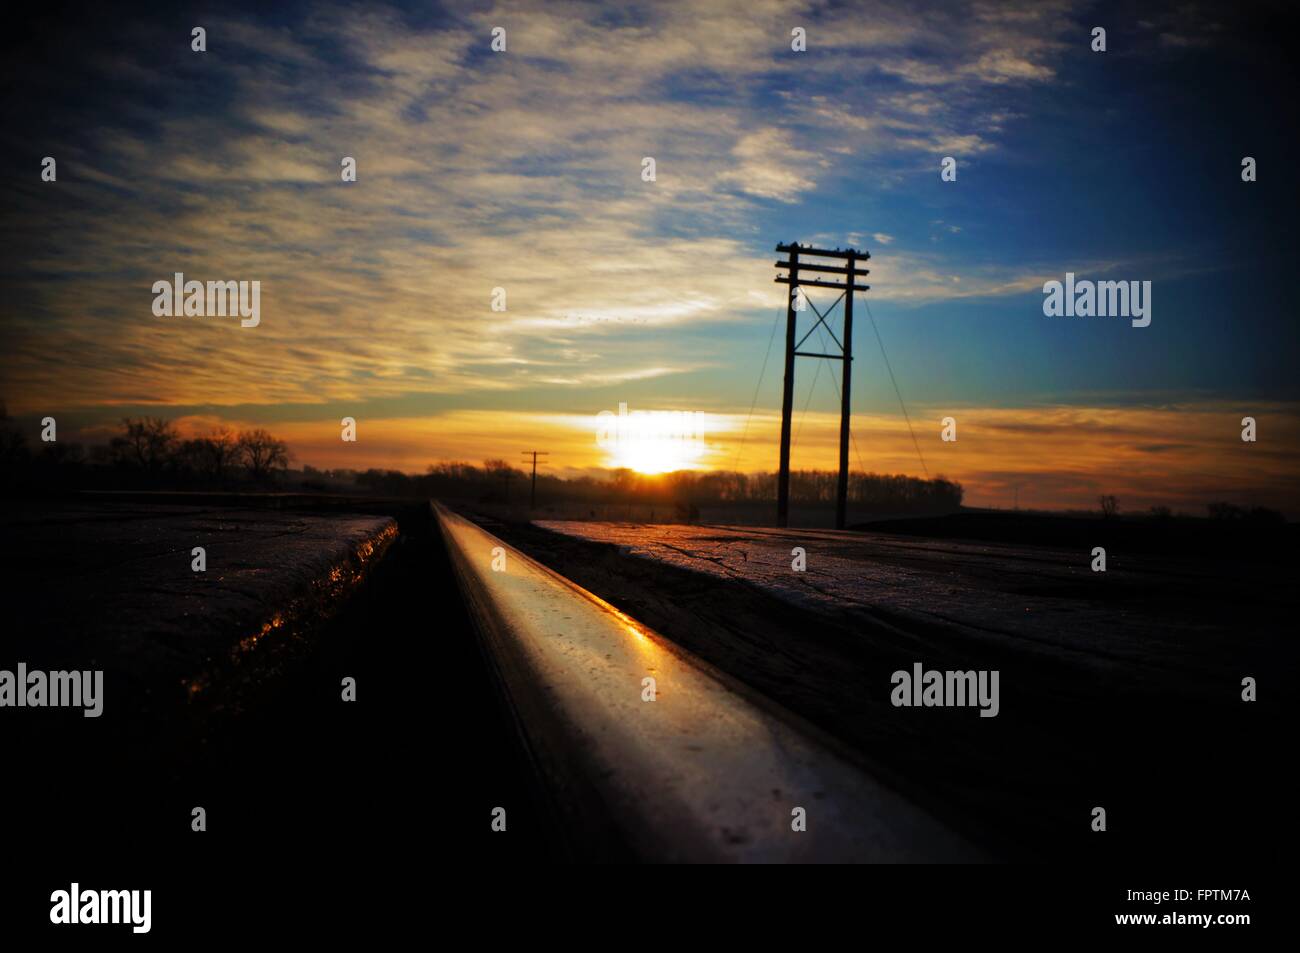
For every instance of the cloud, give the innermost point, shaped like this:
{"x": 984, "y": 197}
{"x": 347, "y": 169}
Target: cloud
{"x": 770, "y": 165}
{"x": 475, "y": 170}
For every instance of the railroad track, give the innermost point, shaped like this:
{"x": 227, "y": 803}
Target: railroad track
{"x": 631, "y": 732}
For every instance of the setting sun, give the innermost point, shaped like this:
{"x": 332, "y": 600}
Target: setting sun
{"x": 652, "y": 441}
{"x": 653, "y": 456}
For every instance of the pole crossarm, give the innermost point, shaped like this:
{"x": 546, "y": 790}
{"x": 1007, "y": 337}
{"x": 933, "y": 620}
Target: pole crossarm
{"x": 818, "y": 283}
{"x": 812, "y": 252}
{"x": 826, "y": 269}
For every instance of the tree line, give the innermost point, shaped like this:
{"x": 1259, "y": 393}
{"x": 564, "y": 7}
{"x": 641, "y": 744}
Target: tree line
{"x": 499, "y": 481}
{"x": 145, "y": 452}
{"x": 149, "y": 453}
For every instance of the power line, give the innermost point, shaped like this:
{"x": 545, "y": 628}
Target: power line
{"x": 897, "y": 392}
{"x": 821, "y": 322}
{"x": 753, "y": 403}
{"x": 821, "y": 337}
{"x": 807, "y": 400}
{"x": 861, "y": 466}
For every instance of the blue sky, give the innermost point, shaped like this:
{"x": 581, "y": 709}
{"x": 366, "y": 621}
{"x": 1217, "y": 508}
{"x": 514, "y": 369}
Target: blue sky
{"x": 521, "y": 170}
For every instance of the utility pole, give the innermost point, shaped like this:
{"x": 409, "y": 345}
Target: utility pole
{"x": 842, "y": 491}
{"x": 532, "y": 499}
{"x": 787, "y": 393}
{"x": 846, "y": 267}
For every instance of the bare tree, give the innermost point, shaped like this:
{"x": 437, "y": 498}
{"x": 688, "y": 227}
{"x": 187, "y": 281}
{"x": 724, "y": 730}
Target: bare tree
{"x": 262, "y": 453}
{"x": 213, "y": 455}
{"x": 1109, "y": 505}
{"x": 146, "y": 443}
{"x": 220, "y": 451}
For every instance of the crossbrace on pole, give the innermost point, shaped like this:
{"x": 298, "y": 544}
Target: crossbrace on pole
{"x": 844, "y": 266}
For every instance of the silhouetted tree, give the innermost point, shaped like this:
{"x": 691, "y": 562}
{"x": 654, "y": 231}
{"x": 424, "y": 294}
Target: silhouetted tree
{"x": 213, "y": 455}
{"x": 146, "y": 443}
{"x": 262, "y": 453}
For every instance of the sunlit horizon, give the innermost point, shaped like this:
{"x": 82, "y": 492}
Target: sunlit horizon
{"x": 1173, "y": 456}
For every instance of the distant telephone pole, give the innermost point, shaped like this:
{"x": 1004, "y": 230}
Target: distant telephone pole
{"x": 532, "y": 499}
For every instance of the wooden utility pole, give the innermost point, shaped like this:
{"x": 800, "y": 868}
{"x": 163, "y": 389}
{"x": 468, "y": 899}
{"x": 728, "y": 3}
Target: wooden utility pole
{"x": 846, "y": 267}
{"x": 532, "y": 498}
{"x": 842, "y": 491}
{"x": 787, "y": 395}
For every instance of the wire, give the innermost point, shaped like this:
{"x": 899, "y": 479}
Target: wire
{"x": 897, "y": 392}
{"x": 806, "y": 402}
{"x": 857, "y": 453}
{"x": 753, "y": 403}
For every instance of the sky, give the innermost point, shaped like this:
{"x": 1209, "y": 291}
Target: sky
{"x": 522, "y": 170}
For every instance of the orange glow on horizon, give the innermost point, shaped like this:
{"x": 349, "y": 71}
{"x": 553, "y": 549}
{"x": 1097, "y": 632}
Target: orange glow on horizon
{"x": 1059, "y": 457}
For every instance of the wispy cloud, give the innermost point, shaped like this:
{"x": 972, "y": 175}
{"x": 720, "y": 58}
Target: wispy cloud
{"x": 475, "y": 171}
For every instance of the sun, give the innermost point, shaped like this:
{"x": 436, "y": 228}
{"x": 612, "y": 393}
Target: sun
{"x": 651, "y": 456}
